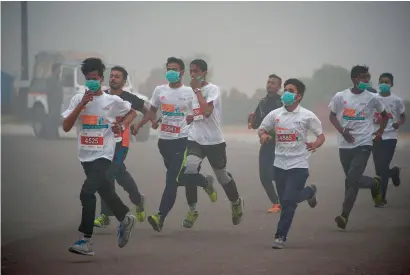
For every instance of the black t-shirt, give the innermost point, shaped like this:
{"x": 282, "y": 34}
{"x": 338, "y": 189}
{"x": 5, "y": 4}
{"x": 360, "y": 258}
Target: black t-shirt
{"x": 265, "y": 106}
{"x": 136, "y": 102}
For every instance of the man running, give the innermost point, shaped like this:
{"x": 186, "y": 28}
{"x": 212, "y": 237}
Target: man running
{"x": 383, "y": 151}
{"x": 351, "y": 113}
{"x": 175, "y": 101}
{"x": 91, "y": 113}
{"x": 118, "y": 170}
{"x": 267, "y": 104}
{"x": 205, "y": 139}
{"x": 291, "y": 124}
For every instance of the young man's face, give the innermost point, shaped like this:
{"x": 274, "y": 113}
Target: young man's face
{"x": 294, "y": 90}
{"x": 385, "y": 80}
{"x": 116, "y": 80}
{"x": 363, "y": 77}
{"x": 173, "y": 67}
{"x": 196, "y": 72}
{"x": 273, "y": 85}
{"x": 94, "y": 76}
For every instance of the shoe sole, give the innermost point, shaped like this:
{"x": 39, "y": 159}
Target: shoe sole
{"x": 128, "y": 235}
{"x": 154, "y": 225}
{"x": 187, "y": 226}
{"x": 79, "y": 252}
{"x": 278, "y": 246}
{"x": 243, "y": 206}
{"x": 340, "y": 222}
{"x": 101, "y": 226}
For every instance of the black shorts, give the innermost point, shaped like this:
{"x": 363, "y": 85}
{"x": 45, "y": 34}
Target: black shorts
{"x": 216, "y": 153}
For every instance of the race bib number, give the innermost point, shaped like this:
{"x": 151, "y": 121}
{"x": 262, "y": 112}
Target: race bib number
{"x": 92, "y": 141}
{"x": 170, "y": 130}
{"x": 198, "y": 115}
{"x": 286, "y": 138}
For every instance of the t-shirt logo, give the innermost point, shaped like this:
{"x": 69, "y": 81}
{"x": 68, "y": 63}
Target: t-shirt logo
{"x": 352, "y": 114}
{"x": 94, "y": 122}
{"x": 172, "y": 110}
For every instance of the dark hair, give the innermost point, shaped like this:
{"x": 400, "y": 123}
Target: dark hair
{"x": 178, "y": 61}
{"x": 201, "y": 64}
{"x": 358, "y": 70}
{"x": 93, "y": 64}
{"x": 122, "y": 70}
{"x": 299, "y": 85}
{"x": 276, "y": 77}
{"x": 388, "y": 75}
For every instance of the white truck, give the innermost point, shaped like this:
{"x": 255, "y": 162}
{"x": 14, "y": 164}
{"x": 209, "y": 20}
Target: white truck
{"x": 72, "y": 81}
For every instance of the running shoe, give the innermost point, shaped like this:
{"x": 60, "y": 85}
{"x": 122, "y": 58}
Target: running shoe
{"x": 274, "y": 209}
{"x": 376, "y": 192}
{"x": 190, "y": 219}
{"x": 155, "y": 222}
{"x": 381, "y": 205}
{"x": 237, "y": 211}
{"x": 209, "y": 189}
{"x": 341, "y": 222}
{"x": 279, "y": 243}
{"x": 102, "y": 221}
{"x": 82, "y": 247}
{"x": 139, "y": 210}
{"x": 313, "y": 201}
{"x": 125, "y": 229}
{"x": 395, "y": 175}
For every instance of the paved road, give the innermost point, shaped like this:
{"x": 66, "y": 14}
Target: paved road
{"x": 41, "y": 181}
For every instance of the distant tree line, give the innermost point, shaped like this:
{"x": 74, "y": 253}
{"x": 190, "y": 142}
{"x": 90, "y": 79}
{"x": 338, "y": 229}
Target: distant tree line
{"x": 320, "y": 88}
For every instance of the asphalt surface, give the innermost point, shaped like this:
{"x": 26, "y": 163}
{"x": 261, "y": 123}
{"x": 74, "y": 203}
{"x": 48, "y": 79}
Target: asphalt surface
{"x": 41, "y": 181}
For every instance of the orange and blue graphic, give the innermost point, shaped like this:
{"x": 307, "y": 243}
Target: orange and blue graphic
{"x": 94, "y": 122}
{"x": 352, "y": 114}
{"x": 172, "y": 110}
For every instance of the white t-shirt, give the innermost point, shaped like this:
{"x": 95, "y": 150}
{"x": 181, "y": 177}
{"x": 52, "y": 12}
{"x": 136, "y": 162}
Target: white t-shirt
{"x": 207, "y": 130}
{"x": 291, "y": 131}
{"x": 95, "y": 136}
{"x": 395, "y": 108}
{"x": 355, "y": 111}
{"x": 175, "y": 105}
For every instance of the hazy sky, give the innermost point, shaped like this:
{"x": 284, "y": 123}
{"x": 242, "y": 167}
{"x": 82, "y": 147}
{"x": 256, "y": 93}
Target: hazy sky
{"x": 247, "y": 41}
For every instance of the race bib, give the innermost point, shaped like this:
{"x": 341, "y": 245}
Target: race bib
{"x": 286, "y": 138}
{"x": 170, "y": 129}
{"x": 92, "y": 141}
{"x": 198, "y": 115}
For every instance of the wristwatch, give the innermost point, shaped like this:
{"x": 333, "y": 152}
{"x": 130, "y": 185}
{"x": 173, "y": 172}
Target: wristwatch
{"x": 197, "y": 90}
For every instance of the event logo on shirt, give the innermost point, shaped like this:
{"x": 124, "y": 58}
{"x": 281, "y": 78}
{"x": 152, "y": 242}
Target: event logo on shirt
{"x": 94, "y": 122}
{"x": 352, "y": 114}
{"x": 172, "y": 110}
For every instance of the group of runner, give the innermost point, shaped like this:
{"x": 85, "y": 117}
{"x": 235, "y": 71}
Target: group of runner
{"x": 190, "y": 130}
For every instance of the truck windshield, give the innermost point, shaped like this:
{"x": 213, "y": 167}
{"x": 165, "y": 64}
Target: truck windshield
{"x": 81, "y": 78}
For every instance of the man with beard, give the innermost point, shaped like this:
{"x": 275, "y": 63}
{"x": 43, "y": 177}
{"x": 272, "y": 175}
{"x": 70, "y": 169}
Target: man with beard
{"x": 118, "y": 170}
{"x": 267, "y": 104}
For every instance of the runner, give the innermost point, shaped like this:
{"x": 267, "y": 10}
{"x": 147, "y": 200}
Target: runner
{"x": 205, "y": 139}
{"x": 92, "y": 113}
{"x": 352, "y": 115}
{"x": 175, "y": 101}
{"x": 118, "y": 170}
{"x": 267, "y": 104}
{"x": 383, "y": 151}
{"x": 291, "y": 124}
